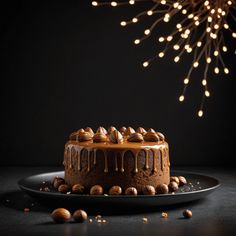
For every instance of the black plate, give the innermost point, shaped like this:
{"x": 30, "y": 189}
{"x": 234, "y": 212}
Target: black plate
{"x": 198, "y": 187}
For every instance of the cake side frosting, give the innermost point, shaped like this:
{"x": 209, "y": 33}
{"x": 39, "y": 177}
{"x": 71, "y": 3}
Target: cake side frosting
{"x": 113, "y": 157}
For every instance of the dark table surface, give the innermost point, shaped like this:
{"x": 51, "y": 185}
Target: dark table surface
{"x": 214, "y": 215}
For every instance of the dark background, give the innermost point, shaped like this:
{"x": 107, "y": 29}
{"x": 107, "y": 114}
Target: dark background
{"x": 68, "y": 65}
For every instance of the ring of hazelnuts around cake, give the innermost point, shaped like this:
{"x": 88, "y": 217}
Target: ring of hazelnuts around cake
{"x": 176, "y": 182}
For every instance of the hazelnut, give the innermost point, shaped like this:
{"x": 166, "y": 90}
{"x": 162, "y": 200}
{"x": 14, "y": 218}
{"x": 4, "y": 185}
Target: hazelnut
{"x": 96, "y": 190}
{"x": 111, "y": 129}
{"x": 115, "y": 190}
{"x": 182, "y": 180}
{"x": 141, "y": 130}
{"x": 116, "y": 137}
{"x": 60, "y": 215}
{"x": 129, "y": 131}
{"x": 173, "y": 186}
{"x": 74, "y": 135}
{"x": 174, "y": 179}
{"x": 80, "y": 216}
{"x": 101, "y": 130}
{"x": 122, "y": 129}
{"x": 131, "y": 191}
{"x": 86, "y": 136}
{"x": 151, "y": 130}
{"x": 187, "y": 214}
{"x": 88, "y": 129}
{"x": 57, "y": 181}
{"x": 64, "y": 188}
{"x": 149, "y": 190}
{"x": 99, "y": 137}
{"x": 161, "y": 136}
{"x": 151, "y": 137}
{"x": 77, "y": 188}
{"x": 162, "y": 189}
{"x": 135, "y": 137}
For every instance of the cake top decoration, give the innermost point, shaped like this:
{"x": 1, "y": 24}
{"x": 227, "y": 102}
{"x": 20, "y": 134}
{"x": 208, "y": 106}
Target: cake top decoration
{"x": 116, "y": 136}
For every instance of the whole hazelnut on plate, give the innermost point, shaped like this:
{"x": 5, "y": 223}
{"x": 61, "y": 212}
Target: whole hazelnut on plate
{"x": 57, "y": 181}
{"x": 187, "y": 214}
{"x": 115, "y": 190}
{"x": 173, "y": 186}
{"x": 80, "y": 216}
{"x": 182, "y": 180}
{"x": 162, "y": 189}
{"x": 77, "y": 188}
{"x": 96, "y": 190}
{"x": 60, "y": 215}
{"x": 174, "y": 179}
{"x": 64, "y": 188}
{"x": 131, "y": 191}
{"x": 149, "y": 190}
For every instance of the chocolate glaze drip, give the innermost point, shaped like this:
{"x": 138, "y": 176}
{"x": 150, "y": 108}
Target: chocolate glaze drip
{"x": 146, "y": 159}
{"x": 78, "y": 160}
{"x": 116, "y": 161}
{"x": 160, "y": 149}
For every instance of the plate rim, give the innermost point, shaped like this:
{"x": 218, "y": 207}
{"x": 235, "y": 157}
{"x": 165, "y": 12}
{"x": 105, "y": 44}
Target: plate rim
{"x": 24, "y": 188}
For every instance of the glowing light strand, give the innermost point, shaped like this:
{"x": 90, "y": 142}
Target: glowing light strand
{"x": 207, "y": 49}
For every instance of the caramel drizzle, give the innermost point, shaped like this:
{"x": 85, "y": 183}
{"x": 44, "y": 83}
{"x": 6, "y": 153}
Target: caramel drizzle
{"x": 69, "y": 155}
{"x": 70, "y": 158}
{"x": 88, "y": 168}
{"x": 146, "y": 159}
{"x": 136, "y": 162}
{"x": 106, "y": 161}
{"x": 168, "y": 158}
{"x": 95, "y": 156}
{"x": 116, "y": 161}
{"x": 162, "y": 158}
{"x": 122, "y": 161}
{"x": 154, "y": 160}
{"x": 78, "y": 160}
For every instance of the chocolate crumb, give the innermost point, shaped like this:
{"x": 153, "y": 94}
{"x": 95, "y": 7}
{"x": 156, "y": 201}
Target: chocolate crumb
{"x": 164, "y": 215}
{"x": 145, "y": 220}
{"x": 97, "y": 217}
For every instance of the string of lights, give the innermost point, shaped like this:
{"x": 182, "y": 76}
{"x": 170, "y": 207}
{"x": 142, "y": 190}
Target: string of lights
{"x": 200, "y": 32}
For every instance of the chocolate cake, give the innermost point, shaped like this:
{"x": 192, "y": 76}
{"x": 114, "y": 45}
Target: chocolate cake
{"x": 126, "y": 158}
